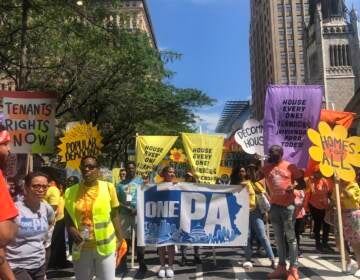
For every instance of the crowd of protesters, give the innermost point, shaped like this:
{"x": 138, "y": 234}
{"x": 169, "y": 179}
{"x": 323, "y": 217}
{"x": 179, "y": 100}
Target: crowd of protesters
{"x": 40, "y": 215}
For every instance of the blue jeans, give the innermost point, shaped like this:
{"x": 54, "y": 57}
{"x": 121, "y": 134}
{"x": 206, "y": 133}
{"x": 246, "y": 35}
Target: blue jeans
{"x": 256, "y": 225}
{"x": 283, "y": 222}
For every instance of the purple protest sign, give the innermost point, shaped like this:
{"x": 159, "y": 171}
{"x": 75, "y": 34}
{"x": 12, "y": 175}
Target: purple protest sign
{"x": 289, "y": 112}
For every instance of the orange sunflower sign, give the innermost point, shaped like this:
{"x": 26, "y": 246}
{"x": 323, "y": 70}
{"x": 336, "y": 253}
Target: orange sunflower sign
{"x": 335, "y": 151}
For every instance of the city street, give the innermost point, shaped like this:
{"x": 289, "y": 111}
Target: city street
{"x": 228, "y": 265}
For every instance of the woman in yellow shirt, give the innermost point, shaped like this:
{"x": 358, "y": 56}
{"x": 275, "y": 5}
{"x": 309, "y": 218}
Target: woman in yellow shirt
{"x": 247, "y": 179}
{"x": 92, "y": 219}
{"x": 350, "y": 208}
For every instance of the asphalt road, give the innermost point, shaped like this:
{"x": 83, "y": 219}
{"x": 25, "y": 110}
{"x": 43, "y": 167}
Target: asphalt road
{"x": 228, "y": 265}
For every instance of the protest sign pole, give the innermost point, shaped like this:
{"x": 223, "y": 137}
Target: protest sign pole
{"x": 340, "y": 223}
{"x": 29, "y": 163}
{"x": 132, "y": 247}
{"x": 267, "y": 225}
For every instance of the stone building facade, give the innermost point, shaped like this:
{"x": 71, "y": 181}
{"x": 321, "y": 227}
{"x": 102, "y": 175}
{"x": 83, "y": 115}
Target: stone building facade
{"x": 332, "y": 51}
{"x": 276, "y": 46}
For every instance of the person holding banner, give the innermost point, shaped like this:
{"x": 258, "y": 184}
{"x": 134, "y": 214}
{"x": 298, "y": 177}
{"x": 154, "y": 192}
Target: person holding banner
{"x": 92, "y": 219}
{"x": 26, "y": 253}
{"x": 350, "y": 207}
{"x": 127, "y": 195}
{"x": 189, "y": 178}
{"x": 256, "y": 224}
{"x": 168, "y": 173}
{"x": 280, "y": 177}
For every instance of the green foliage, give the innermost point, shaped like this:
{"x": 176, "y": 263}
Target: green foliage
{"x": 101, "y": 73}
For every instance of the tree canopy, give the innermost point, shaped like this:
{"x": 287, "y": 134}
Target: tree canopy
{"x": 100, "y": 70}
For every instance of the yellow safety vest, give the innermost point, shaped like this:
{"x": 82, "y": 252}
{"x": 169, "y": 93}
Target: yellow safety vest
{"x": 103, "y": 227}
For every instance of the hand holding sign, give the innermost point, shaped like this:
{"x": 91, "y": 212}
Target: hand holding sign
{"x": 250, "y": 137}
{"x": 336, "y": 152}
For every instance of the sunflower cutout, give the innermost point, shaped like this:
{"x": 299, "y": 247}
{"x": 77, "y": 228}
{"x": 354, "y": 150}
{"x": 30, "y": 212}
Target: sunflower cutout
{"x": 177, "y": 155}
{"x": 335, "y": 151}
{"x": 81, "y": 140}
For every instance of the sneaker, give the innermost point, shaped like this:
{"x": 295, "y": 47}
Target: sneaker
{"x": 247, "y": 265}
{"x": 169, "y": 272}
{"x": 161, "y": 273}
{"x": 293, "y": 274}
{"x": 279, "y": 272}
{"x": 357, "y": 273}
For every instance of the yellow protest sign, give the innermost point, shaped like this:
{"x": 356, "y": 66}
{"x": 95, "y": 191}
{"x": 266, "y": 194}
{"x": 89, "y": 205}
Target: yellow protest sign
{"x": 335, "y": 151}
{"x": 204, "y": 155}
{"x": 150, "y": 150}
{"x": 80, "y": 140}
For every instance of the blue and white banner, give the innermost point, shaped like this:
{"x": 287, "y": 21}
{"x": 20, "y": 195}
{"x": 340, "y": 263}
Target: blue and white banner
{"x": 192, "y": 214}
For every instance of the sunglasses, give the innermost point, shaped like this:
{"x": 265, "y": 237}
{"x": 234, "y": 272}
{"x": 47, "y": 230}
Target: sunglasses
{"x": 39, "y": 186}
{"x": 88, "y": 166}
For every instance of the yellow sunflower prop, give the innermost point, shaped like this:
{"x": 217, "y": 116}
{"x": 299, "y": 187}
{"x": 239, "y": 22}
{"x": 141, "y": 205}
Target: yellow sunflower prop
{"x": 81, "y": 140}
{"x": 335, "y": 151}
{"x": 177, "y": 155}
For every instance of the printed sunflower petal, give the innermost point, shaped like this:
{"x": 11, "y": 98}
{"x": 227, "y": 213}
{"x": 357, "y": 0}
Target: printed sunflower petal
{"x": 353, "y": 159}
{"x": 340, "y": 132}
{"x": 355, "y": 143}
{"x": 325, "y": 129}
{"x": 314, "y": 137}
{"x": 326, "y": 170}
{"x": 347, "y": 173}
{"x": 316, "y": 153}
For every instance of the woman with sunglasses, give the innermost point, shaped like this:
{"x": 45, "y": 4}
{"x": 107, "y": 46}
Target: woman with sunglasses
{"x": 92, "y": 220}
{"x": 26, "y": 253}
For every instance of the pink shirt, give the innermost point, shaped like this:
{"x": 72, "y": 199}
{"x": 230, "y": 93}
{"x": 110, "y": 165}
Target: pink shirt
{"x": 278, "y": 178}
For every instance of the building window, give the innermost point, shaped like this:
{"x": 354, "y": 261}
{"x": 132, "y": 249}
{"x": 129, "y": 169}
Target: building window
{"x": 290, "y": 42}
{"x": 339, "y": 55}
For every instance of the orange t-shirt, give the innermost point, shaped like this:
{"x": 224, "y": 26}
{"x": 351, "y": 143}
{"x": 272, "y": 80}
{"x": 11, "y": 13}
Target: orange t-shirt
{"x": 317, "y": 192}
{"x": 278, "y": 178}
{"x": 83, "y": 210}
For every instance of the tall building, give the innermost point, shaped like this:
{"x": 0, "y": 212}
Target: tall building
{"x": 333, "y": 52}
{"x": 276, "y": 46}
{"x": 136, "y": 16}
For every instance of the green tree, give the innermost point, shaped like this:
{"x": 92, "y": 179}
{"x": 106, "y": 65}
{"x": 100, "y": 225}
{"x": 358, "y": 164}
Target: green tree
{"x": 101, "y": 73}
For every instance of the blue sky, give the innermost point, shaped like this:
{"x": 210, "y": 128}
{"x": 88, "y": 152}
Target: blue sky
{"x": 212, "y": 36}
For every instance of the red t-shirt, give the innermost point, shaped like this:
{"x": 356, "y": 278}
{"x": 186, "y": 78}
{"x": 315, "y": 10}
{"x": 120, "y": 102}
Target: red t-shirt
{"x": 278, "y": 178}
{"x": 8, "y": 209}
